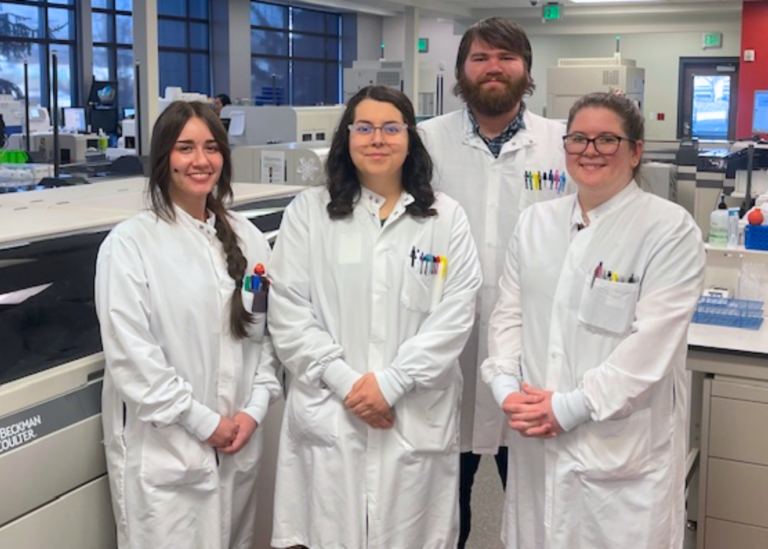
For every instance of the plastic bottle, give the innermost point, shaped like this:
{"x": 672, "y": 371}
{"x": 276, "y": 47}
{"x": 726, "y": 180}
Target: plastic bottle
{"x": 718, "y": 225}
{"x": 103, "y": 141}
{"x": 733, "y": 227}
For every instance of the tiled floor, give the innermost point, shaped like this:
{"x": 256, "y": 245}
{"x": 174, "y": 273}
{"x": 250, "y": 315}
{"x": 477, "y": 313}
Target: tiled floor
{"x": 487, "y": 504}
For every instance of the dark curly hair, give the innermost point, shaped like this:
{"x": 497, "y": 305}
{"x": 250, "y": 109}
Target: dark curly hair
{"x": 168, "y": 127}
{"x": 342, "y": 181}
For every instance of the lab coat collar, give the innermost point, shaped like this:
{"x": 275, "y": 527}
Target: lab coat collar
{"x": 373, "y": 202}
{"x": 622, "y": 197}
{"x": 523, "y": 138}
{"x": 207, "y": 229}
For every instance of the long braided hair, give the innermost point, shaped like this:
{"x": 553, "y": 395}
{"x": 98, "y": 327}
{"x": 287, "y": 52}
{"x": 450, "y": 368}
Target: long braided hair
{"x": 166, "y": 131}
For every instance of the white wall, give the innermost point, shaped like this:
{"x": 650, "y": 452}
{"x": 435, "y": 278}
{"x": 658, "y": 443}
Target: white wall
{"x": 441, "y": 56}
{"x": 369, "y": 36}
{"x": 657, "y": 52}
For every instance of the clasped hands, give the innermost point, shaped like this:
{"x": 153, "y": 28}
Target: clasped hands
{"x": 530, "y": 412}
{"x": 231, "y": 435}
{"x": 367, "y": 402}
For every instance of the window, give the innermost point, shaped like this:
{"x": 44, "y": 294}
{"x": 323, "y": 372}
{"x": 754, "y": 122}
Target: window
{"x": 184, "y": 45}
{"x": 295, "y": 55}
{"x": 711, "y": 102}
{"x": 31, "y": 32}
{"x": 707, "y": 96}
{"x": 112, "y": 28}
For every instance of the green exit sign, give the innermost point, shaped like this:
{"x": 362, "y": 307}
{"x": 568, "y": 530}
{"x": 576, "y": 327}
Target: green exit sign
{"x": 711, "y": 40}
{"x": 552, "y": 12}
{"x": 423, "y": 45}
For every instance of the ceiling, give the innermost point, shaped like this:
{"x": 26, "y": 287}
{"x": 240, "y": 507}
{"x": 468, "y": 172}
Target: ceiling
{"x": 467, "y": 11}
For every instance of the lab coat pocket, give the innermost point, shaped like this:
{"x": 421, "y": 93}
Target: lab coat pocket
{"x": 532, "y": 196}
{"x": 256, "y": 328}
{"x": 171, "y": 456}
{"x": 608, "y": 306}
{"x": 312, "y": 415}
{"x": 616, "y": 449}
{"x": 416, "y": 291}
{"x": 427, "y": 421}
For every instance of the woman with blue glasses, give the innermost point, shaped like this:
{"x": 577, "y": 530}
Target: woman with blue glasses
{"x": 375, "y": 278}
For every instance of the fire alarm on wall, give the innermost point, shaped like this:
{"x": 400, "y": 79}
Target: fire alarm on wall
{"x": 749, "y": 55}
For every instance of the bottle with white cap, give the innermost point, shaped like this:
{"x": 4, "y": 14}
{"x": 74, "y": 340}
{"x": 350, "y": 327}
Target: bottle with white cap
{"x": 718, "y": 225}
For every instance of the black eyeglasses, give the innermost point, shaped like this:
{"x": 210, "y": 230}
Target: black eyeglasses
{"x": 606, "y": 144}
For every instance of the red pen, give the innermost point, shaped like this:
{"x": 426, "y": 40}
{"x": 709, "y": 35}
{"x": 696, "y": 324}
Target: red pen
{"x": 598, "y": 272}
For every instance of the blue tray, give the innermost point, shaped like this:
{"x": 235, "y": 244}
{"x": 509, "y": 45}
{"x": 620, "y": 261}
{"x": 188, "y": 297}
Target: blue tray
{"x": 736, "y": 313}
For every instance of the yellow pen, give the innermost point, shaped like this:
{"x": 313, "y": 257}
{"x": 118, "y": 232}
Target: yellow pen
{"x": 439, "y": 284}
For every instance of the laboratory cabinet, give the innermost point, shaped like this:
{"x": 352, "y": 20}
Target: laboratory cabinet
{"x": 730, "y": 428}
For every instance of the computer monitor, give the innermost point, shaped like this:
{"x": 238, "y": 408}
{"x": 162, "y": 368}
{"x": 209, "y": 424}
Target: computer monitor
{"x": 129, "y": 112}
{"x": 74, "y": 119}
{"x": 760, "y": 113}
{"x": 103, "y": 119}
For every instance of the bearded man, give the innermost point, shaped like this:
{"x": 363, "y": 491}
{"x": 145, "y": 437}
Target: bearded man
{"x": 495, "y": 158}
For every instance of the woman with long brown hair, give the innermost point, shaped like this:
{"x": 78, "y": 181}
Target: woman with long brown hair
{"x": 190, "y": 370}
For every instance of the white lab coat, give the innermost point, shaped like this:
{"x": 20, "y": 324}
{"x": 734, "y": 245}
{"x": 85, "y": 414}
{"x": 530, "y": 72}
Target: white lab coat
{"x": 349, "y": 299}
{"x": 493, "y": 193}
{"x": 163, "y": 295}
{"x": 617, "y": 479}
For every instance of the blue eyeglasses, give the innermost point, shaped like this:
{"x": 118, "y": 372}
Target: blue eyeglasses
{"x": 390, "y": 129}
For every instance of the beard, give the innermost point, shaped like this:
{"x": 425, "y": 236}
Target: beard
{"x": 493, "y": 101}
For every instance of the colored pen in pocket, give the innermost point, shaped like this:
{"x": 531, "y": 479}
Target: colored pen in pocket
{"x": 597, "y": 274}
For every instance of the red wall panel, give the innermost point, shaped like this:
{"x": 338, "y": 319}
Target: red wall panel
{"x": 752, "y": 75}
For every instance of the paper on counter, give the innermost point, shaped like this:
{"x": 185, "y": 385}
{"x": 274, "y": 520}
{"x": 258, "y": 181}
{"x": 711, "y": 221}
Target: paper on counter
{"x": 236, "y": 123}
{"x": 20, "y": 296}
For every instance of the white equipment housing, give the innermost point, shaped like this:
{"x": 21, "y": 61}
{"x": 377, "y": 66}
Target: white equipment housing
{"x": 573, "y": 78}
{"x": 284, "y": 163}
{"x": 660, "y": 179}
{"x": 12, "y": 111}
{"x": 39, "y": 119}
{"x": 74, "y": 146}
{"x": 176, "y": 94}
{"x": 267, "y": 125}
{"x": 390, "y": 73}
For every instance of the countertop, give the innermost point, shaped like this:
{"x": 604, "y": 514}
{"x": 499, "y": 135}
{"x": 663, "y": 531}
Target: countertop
{"x": 33, "y": 215}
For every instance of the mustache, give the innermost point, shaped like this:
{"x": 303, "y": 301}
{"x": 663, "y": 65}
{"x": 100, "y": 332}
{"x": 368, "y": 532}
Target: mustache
{"x": 495, "y": 77}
